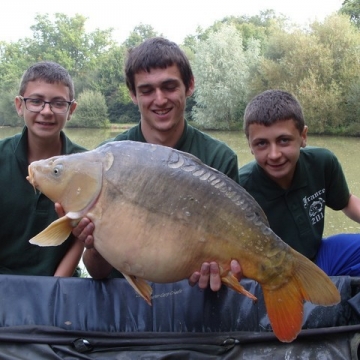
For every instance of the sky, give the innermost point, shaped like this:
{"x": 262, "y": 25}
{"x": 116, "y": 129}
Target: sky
{"x": 174, "y": 20}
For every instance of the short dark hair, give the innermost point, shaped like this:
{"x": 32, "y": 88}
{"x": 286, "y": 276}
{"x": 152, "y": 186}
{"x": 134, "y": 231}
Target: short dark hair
{"x": 50, "y": 72}
{"x": 156, "y": 53}
{"x": 271, "y": 106}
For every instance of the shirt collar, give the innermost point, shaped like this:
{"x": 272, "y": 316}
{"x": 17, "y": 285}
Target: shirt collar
{"x": 272, "y": 190}
{"x": 21, "y": 145}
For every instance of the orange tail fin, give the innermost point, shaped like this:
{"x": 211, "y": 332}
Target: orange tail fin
{"x": 285, "y": 304}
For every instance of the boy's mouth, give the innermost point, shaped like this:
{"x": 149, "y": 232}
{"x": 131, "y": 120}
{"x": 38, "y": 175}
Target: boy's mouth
{"x": 162, "y": 112}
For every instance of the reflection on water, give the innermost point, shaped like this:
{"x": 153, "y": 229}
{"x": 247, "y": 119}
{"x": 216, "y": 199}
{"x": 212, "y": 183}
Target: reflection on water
{"x": 346, "y": 149}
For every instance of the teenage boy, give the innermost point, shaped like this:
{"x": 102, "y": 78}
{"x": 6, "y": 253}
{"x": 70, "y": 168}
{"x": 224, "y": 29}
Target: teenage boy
{"x": 159, "y": 78}
{"x": 46, "y": 102}
{"x": 294, "y": 183}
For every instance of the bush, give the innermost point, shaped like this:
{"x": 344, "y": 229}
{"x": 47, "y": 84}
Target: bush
{"x": 91, "y": 111}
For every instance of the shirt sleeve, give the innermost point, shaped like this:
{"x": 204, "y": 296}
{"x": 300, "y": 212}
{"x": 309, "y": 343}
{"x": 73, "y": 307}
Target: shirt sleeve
{"x": 337, "y": 189}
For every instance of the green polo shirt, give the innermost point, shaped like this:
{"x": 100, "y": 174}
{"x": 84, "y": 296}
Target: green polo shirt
{"x": 25, "y": 213}
{"x": 210, "y": 151}
{"x": 297, "y": 214}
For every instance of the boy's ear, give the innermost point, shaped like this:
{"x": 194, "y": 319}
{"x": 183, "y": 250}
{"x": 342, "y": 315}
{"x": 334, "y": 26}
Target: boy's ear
{"x": 133, "y": 98}
{"x": 191, "y": 88}
{"x": 251, "y": 150}
{"x": 304, "y": 136}
{"x": 18, "y": 105}
{"x": 72, "y": 109}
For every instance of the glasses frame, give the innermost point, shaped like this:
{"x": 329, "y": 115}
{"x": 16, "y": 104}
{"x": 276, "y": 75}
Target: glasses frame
{"x": 46, "y": 102}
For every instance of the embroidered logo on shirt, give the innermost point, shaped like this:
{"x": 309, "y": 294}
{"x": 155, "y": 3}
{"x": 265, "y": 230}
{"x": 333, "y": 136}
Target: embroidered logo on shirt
{"x": 316, "y": 205}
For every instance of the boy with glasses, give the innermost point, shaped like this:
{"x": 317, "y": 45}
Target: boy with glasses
{"x": 46, "y": 102}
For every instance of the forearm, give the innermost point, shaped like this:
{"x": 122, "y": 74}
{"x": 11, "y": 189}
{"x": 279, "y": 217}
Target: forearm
{"x": 96, "y": 265}
{"x": 71, "y": 259}
{"x": 352, "y": 210}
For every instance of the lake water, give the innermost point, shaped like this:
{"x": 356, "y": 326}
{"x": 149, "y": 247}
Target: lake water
{"x": 346, "y": 149}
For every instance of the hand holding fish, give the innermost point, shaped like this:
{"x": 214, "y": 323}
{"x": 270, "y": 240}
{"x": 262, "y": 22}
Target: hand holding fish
{"x": 210, "y": 274}
{"x": 84, "y": 231}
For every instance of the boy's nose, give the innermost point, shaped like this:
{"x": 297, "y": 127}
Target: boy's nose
{"x": 46, "y": 108}
{"x": 274, "y": 152}
{"x": 159, "y": 97}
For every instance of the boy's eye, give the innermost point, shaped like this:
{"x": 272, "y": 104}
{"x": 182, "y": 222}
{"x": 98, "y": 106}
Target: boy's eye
{"x": 170, "y": 88}
{"x": 261, "y": 143}
{"x": 284, "y": 141}
{"x": 35, "y": 101}
{"x": 145, "y": 91}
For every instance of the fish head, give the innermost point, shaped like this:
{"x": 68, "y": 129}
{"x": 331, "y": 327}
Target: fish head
{"x": 75, "y": 181}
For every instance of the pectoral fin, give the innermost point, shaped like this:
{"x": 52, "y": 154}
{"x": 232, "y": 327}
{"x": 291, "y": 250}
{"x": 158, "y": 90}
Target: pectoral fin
{"x": 55, "y": 234}
{"x": 140, "y": 286}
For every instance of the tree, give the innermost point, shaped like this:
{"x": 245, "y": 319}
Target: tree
{"x": 12, "y": 66}
{"x": 91, "y": 111}
{"x": 139, "y": 34}
{"x": 319, "y": 66}
{"x": 351, "y": 8}
{"x": 222, "y": 68}
{"x": 63, "y": 40}
{"x": 109, "y": 79}
{"x": 250, "y": 27}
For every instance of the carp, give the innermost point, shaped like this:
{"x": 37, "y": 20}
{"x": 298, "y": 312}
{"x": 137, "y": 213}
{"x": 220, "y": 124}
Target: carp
{"x": 159, "y": 213}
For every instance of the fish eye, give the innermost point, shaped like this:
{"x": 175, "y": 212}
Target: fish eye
{"x": 57, "y": 170}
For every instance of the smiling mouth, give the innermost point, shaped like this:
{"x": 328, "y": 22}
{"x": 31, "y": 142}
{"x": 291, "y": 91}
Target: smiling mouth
{"x": 162, "y": 112}
{"x": 45, "y": 123}
{"x": 276, "y": 166}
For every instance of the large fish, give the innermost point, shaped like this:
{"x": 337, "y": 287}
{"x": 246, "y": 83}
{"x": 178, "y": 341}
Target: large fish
{"x": 160, "y": 213}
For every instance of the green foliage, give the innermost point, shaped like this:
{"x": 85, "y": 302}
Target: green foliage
{"x": 222, "y": 68}
{"x": 352, "y": 107}
{"x": 351, "y": 8}
{"x": 108, "y": 78}
{"x": 91, "y": 111}
{"x": 233, "y": 59}
{"x": 8, "y": 114}
{"x": 319, "y": 66}
{"x": 249, "y": 27}
{"x": 10, "y": 74}
{"x": 139, "y": 34}
{"x": 65, "y": 41}
{"x": 320, "y": 104}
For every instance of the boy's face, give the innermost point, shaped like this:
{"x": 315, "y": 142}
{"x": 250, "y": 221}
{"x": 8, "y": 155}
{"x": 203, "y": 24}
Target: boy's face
{"x": 161, "y": 97}
{"x": 44, "y": 124}
{"x": 277, "y": 149}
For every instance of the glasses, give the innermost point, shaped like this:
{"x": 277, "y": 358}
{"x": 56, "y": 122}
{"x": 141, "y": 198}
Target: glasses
{"x": 37, "y": 105}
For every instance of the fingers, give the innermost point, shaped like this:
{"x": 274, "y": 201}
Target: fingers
{"x": 83, "y": 231}
{"x": 59, "y": 210}
{"x": 89, "y": 242}
{"x": 204, "y": 275}
{"x": 215, "y": 280}
{"x": 194, "y": 278}
{"x": 236, "y": 269}
{"x": 210, "y": 274}
{"x": 80, "y": 229}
